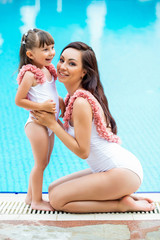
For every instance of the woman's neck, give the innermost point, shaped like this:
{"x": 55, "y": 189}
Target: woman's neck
{"x": 72, "y": 89}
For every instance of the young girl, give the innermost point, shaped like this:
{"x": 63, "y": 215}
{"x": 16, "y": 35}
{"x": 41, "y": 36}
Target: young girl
{"x": 37, "y": 91}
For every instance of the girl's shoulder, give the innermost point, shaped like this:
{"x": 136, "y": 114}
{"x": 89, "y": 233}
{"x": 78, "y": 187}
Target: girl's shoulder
{"x": 52, "y": 71}
{"x": 37, "y": 72}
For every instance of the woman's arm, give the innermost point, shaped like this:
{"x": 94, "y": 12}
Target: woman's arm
{"x": 60, "y": 123}
{"x": 62, "y": 106}
{"x": 23, "y": 89}
{"x": 82, "y": 121}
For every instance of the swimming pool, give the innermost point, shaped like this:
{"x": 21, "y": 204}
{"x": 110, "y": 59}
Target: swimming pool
{"x": 126, "y": 38}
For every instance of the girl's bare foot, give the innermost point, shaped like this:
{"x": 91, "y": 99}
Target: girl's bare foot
{"x": 134, "y": 203}
{"x": 42, "y": 205}
{"x": 28, "y": 200}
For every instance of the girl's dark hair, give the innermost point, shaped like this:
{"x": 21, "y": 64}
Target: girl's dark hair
{"x": 31, "y": 39}
{"x": 91, "y": 81}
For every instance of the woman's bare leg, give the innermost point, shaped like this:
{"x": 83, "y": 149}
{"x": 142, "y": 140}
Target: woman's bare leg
{"x": 39, "y": 140}
{"x": 99, "y": 192}
{"x": 69, "y": 177}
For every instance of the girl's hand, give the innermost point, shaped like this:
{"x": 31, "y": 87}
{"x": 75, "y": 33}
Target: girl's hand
{"x": 48, "y": 106}
{"x": 44, "y": 118}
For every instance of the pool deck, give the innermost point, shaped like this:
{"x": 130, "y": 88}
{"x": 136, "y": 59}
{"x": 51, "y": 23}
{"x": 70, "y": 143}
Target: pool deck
{"x": 18, "y": 220}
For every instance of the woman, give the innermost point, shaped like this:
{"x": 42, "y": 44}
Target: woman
{"x": 114, "y": 173}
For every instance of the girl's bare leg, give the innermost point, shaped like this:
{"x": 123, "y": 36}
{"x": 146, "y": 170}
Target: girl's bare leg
{"x": 28, "y": 199}
{"x": 39, "y": 140}
{"x": 99, "y": 192}
{"x": 51, "y": 144}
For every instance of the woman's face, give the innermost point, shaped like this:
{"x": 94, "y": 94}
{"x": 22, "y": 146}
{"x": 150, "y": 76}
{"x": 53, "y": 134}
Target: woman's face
{"x": 69, "y": 67}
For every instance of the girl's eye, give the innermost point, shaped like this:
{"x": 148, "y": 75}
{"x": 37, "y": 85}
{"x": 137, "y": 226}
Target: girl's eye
{"x": 61, "y": 60}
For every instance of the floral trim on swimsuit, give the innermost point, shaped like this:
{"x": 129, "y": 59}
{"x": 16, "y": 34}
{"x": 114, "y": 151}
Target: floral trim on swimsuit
{"x": 98, "y": 121}
{"x": 38, "y": 73}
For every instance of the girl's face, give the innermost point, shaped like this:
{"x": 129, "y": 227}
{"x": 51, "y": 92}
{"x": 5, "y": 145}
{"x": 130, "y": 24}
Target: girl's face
{"x": 42, "y": 56}
{"x": 69, "y": 67}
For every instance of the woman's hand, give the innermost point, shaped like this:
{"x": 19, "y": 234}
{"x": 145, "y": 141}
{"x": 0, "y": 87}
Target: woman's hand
{"x": 82, "y": 122}
{"x": 44, "y": 118}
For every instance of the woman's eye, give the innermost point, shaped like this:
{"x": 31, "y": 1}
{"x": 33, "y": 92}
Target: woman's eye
{"x": 72, "y": 64}
{"x": 61, "y": 60}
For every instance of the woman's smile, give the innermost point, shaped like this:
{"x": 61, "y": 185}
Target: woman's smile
{"x": 62, "y": 74}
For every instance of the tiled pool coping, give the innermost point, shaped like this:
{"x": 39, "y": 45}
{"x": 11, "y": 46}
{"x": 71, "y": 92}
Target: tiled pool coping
{"x": 12, "y": 207}
{"x": 15, "y": 224}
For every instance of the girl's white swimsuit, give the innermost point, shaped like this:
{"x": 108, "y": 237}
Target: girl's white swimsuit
{"x": 44, "y": 90}
{"x": 105, "y": 151}
{"x": 41, "y": 93}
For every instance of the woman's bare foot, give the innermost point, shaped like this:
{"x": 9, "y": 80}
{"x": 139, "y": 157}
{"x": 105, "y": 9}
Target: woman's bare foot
{"x": 136, "y": 197}
{"x": 42, "y": 205}
{"x": 134, "y": 203}
{"x": 28, "y": 200}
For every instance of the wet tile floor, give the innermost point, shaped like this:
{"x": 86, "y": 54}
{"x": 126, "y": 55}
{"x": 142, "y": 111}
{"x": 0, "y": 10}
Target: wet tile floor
{"x": 80, "y": 230}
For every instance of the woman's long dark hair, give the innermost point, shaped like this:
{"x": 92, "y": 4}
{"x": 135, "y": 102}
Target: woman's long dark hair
{"x": 91, "y": 81}
{"x": 31, "y": 39}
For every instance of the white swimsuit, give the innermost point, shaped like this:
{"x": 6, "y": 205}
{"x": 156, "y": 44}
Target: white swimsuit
{"x": 106, "y": 155}
{"x": 41, "y": 93}
{"x": 44, "y": 90}
{"x": 105, "y": 151}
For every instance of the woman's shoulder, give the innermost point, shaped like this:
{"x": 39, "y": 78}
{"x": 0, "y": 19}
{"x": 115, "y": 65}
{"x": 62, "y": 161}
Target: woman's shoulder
{"x": 80, "y": 94}
{"x": 82, "y": 106}
{"x": 80, "y": 102}
{"x": 82, "y": 99}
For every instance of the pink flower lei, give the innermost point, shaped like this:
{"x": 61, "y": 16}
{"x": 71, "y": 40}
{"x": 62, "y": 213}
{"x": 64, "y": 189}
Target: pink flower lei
{"x": 98, "y": 121}
{"x": 38, "y": 73}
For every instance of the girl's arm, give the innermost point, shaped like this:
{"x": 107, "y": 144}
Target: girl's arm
{"x": 23, "y": 89}
{"x": 82, "y": 121}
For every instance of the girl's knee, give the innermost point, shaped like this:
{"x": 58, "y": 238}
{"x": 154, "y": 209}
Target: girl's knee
{"x": 41, "y": 167}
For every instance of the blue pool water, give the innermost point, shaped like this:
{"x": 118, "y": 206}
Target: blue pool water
{"x": 126, "y": 38}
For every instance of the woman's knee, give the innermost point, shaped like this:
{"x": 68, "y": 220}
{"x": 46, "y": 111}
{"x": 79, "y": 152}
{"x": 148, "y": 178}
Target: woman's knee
{"x": 56, "y": 198}
{"x": 51, "y": 186}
